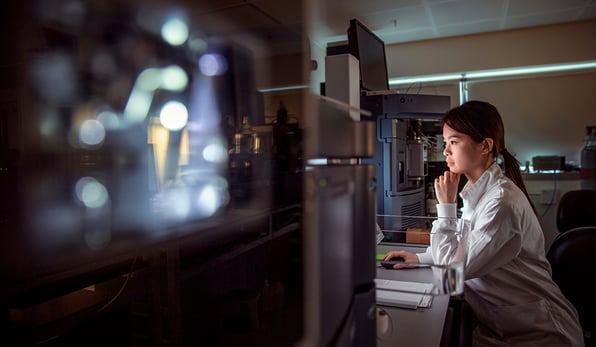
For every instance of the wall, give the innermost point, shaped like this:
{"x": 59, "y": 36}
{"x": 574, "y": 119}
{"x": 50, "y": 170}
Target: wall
{"x": 543, "y": 116}
{"x": 534, "y": 46}
{"x": 279, "y": 70}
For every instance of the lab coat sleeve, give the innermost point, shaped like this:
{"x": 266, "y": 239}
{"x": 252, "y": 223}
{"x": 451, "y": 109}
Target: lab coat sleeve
{"x": 448, "y": 211}
{"x": 426, "y": 257}
{"x": 493, "y": 240}
{"x": 443, "y": 237}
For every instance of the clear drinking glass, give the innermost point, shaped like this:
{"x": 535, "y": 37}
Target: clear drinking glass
{"x": 449, "y": 277}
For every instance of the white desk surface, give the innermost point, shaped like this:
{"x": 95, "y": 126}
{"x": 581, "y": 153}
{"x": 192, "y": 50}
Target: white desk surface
{"x": 421, "y": 327}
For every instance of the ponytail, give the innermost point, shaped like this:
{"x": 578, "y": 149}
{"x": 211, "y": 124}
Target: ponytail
{"x": 511, "y": 169}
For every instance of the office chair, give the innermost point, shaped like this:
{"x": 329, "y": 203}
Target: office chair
{"x": 577, "y": 208}
{"x": 572, "y": 256}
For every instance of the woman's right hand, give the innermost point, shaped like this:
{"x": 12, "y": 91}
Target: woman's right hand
{"x": 408, "y": 257}
{"x": 446, "y": 187}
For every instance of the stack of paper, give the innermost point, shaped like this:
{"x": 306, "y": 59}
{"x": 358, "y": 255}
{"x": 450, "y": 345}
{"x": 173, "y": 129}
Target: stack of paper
{"x": 403, "y": 294}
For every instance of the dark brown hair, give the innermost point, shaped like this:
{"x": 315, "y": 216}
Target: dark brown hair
{"x": 481, "y": 120}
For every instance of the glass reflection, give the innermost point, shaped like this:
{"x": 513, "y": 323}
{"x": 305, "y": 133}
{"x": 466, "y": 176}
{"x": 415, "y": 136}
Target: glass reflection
{"x": 126, "y": 107}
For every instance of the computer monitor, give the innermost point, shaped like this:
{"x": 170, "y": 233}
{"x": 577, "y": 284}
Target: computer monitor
{"x": 370, "y": 51}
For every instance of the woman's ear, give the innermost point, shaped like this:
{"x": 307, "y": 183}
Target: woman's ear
{"x": 487, "y": 145}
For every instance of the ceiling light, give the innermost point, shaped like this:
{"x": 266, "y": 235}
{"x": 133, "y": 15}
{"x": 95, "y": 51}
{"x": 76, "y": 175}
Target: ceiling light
{"x": 517, "y": 71}
{"x": 283, "y": 89}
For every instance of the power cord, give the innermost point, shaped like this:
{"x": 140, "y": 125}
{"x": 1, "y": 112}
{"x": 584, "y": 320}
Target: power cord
{"x": 117, "y": 295}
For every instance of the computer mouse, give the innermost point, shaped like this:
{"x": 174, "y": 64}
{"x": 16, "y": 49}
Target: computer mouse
{"x": 388, "y": 264}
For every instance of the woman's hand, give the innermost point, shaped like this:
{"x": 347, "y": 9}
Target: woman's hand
{"x": 446, "y": 187}
{"x": 408, "y": 257}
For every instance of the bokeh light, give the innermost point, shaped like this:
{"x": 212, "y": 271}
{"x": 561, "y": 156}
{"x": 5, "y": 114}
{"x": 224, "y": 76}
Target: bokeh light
{"x": 208, "y": 201}
{"x": 212, "y": 64}
{"x": 180, "y": 203}
{"x": 174, "y": 31}
{"x": 150, "y": 79}
{"x": 91, "y": 192}
{"x": 92, "y": 132}
{"x": 215, "y": 152}
{"x": 174, "y": 78}
{"x": 197, "y": 44}
{"x": 173, "y": 115}
{"x": 109, "y": 119}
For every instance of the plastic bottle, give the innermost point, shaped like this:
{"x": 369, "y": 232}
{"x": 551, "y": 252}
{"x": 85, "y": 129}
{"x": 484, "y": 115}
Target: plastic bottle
{"x": 431, "y": 201}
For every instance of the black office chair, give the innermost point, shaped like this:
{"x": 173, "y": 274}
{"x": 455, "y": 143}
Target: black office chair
{"x": 577, "y": 208}
{"x": 572, "y": 256}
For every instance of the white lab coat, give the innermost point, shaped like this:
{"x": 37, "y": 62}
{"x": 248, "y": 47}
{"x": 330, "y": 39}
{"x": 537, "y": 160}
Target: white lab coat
{"x": 508, "y": 278}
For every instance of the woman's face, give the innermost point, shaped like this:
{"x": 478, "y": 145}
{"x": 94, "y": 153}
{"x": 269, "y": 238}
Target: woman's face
{"x": 463, "y": 155}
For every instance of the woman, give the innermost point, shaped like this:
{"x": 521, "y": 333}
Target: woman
{"x": 508, "y": 279}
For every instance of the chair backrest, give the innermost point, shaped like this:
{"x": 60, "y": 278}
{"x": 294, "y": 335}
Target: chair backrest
{"x": 577, "y": 208}
{"x": 572, "y": 256}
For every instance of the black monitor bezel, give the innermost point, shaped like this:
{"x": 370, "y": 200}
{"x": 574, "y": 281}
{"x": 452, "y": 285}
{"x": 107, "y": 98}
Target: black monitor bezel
{"x": 354, "y": 48}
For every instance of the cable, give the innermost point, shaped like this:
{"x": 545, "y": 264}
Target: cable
{"x": 343, "y": 322}
{"x": 410, "y": 86}
{"x": 552, "y": 197}
{"x": 117, "y": 295}
{"x": 385, "y": 330}
{"x": 59, "y": 335}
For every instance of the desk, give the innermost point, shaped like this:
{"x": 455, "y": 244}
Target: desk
{"x": 420, "y": 327}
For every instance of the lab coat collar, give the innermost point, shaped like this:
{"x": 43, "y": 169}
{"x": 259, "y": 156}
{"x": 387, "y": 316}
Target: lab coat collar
{"x": 472, "y": 192}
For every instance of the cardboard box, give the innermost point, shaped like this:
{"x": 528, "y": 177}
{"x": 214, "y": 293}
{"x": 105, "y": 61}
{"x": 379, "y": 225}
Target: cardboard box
{"x": 418, "y": 235}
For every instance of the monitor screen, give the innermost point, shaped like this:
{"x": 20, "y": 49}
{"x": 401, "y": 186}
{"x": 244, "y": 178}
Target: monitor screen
{"x": 370, "y": 51}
